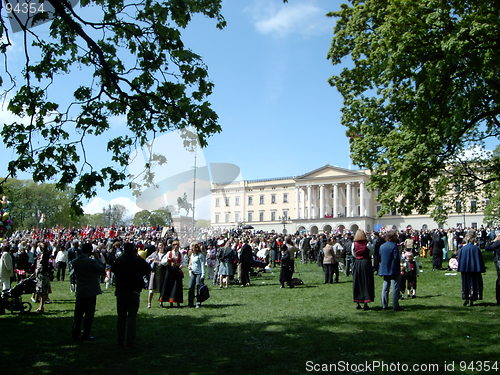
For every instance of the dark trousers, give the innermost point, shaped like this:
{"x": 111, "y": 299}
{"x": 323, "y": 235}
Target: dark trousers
{"x": 127, "y": 305}
{"x": 245, "y": 273}
{"x": 84, "y": 312}
{"x": 328, "y": 269}
{"x": 194, "y": 283}
{"x": 497, "y": 264}
{"x": 336, "y": 272}
{"x": 348, "y": 265}
{"x": 61, "y": 270}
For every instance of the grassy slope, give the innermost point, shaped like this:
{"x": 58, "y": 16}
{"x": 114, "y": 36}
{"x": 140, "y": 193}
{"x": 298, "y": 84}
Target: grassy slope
{"x": 261, "y": 330}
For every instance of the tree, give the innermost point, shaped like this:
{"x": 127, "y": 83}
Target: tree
{"x": 160, "y": 217}
{"x": 492, "y": 209}
{"x": 131, "y": 61}
{"x": 114, "y": 215}
{"x": 141, "y": 218}
{"x": 156, "y": 217}
{"x": 183, "y": 203}
{"x": 30, "y": 200}
{"x": 421, "y": 87}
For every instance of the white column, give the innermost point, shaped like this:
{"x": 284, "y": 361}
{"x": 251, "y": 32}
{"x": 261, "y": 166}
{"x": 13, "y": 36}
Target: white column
{"x": 321, "y": 201}
{"x": 348, "y": 203}
{"x": 335, "y": 200}
{"x": 297, "y": 199}
{"x": 362, "y": 198}
{"x": 303, "y": 209}
{"x": 309, "y": 208}
{"x": 353, "y": 198}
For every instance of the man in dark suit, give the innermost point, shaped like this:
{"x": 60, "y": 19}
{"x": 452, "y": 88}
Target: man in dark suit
{"x": 246, "y": 260}
{"x": 87, "y": 273}
{"x": 129, "y": 270}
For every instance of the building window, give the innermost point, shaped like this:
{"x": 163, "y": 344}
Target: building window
{"x": 458, "y": 207}
{"x": 379, "y": 207}
{"x": 237, "y": 217}
{"x": 226, "y": 201}
{"x": 473, "y": 206}
{"x": 285, "y": 214}
{"x": 250, "y": 216}
{"x": 227, "y": 217}
{"x": 261, "y": 216}
{"x": 261, "y": 199}
{"x": 273, "y": 198}
{"x": 250, "y": 200}
{"x": 359, "y": 210}
{"x": 285, "y": 198}
{"x": 273, "y": 215}
{"x": 474, "y": 225}
{"x": 237, "y": 201}
{"x": 217, "y": 202}
{"x": 394, "y": 212}
{"x": 217, "y": 218}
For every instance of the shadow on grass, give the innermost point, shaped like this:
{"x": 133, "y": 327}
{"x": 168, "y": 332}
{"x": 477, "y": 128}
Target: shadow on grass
{"x": 180, "y": 344}
{"x": 429, "y": 296}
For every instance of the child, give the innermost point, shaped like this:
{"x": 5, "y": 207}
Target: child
{"x": 403, "y": 279}
{"x": 453, "y": 263}
{"x": 412, "y": 271}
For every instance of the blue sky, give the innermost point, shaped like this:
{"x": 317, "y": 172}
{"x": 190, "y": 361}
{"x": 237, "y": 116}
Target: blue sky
{"x": 278, "y": 113}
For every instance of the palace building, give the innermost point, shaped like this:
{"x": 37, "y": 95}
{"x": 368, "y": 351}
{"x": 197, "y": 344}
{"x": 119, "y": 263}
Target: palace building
{"x": 322, "y": 200}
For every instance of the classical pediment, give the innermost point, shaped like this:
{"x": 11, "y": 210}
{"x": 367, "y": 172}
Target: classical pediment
{"x": 329, "y": 171}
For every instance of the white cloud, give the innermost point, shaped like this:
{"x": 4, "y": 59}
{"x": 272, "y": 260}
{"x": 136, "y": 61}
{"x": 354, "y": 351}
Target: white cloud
{"x": 305, "y": 19}
{"x": 96, "y": 205}
{"x": 474, "y": 152}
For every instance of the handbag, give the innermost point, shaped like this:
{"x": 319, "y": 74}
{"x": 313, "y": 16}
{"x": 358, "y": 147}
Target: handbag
{"x": 203, "y": 293}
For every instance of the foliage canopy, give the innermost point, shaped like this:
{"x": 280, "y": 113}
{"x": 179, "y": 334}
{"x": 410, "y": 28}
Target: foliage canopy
{"x": 421, "y": 88}
{"x": 133, "y": 64}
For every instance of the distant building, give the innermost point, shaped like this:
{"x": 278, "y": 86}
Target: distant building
{"x": 322, "y": 200}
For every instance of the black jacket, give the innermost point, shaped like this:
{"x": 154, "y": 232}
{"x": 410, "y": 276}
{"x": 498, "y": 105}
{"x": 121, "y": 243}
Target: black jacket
{"x": 129, "y": 273}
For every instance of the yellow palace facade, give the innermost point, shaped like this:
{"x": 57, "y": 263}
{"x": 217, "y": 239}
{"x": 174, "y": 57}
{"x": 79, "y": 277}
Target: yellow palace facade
{"x": 322, "y": 200}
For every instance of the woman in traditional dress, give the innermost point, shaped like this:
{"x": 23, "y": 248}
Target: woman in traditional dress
{"x": 363, "y": 285}
{"x": 172, "y": 285}
{"x": 471, "y": 265}
{"x": 43, "y": 287}
{"x": 157, "y": 275}
{"x": 226, "y": 257}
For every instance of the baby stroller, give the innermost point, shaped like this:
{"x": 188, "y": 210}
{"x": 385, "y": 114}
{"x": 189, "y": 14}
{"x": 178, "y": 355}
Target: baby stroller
{"x": 11, "y": 298}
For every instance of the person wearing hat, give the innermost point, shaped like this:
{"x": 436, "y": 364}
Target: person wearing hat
{"x": 87, "y": 271}
{"x": 471, "y": 266}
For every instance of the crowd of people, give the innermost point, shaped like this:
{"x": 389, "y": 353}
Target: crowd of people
{"x": 152, "y": 258}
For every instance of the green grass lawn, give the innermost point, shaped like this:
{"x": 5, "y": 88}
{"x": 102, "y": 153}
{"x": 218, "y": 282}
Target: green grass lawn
{"x": 264, "y": 330}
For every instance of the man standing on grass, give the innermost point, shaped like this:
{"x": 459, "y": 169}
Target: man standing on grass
{"x": 390, "y": 270}
{"x": 87, "y": 272}
{"x": 129, "y": 270}
{"x": 495, "y": 247}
